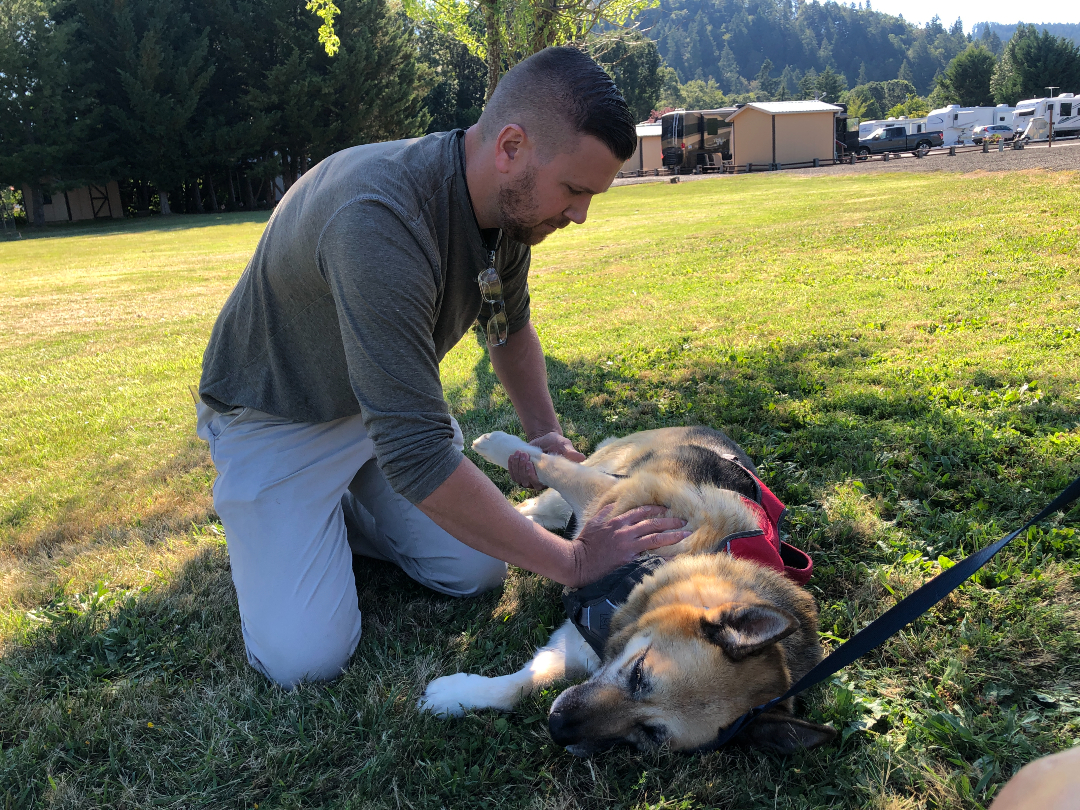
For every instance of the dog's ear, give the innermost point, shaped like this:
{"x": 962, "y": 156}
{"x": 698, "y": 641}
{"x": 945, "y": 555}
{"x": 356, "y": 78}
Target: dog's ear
{"x": 741, "y": 630}
{"x": 785, "y": 734}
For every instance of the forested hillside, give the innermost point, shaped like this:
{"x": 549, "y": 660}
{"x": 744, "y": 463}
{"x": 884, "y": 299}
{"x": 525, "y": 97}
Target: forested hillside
{"x": 729, "y": 40}
{"x": 1005, "y": 31}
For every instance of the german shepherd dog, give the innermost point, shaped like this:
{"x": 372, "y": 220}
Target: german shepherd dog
{"x": 699, "y": 641}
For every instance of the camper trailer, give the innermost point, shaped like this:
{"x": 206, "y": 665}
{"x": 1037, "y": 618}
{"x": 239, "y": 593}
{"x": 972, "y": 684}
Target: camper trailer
{"x": 957, "y": 123}
{"x": 1063, "y": 111}
{"x": 693, "y": 138}
{"x": 912, "y": 126}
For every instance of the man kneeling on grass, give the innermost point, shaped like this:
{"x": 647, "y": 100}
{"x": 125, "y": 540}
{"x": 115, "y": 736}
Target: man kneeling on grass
{"x": 321, "y": 398}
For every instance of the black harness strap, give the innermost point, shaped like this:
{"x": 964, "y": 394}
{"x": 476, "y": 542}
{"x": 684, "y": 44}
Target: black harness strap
{"x": 897, "y": 617}
{"x": 591, "y": 608}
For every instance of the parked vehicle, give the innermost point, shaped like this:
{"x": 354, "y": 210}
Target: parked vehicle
{"x": 913, "y": 125}
{"x": 896, "y": 139}
{"x": 847, "y": 132}
{"x": 958, "y": 123}
{"x": 1063, "y": 111}
{"x": 1003, "y": 131}
{"x": 692, "y": 138}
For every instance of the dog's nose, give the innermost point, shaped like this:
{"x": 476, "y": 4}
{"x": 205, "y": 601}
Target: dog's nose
{"x": 561, "y": 728}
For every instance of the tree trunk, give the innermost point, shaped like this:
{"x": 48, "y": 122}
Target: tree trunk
{"x": 232, "y": 206}
{"x": 37, "y": 207}
{"x": 213, "y": 194}
{"x": 289, "y": 165}
{"x": 196, "y": 197}
{"x": 144, "y": 201}
{"x": 249, "y": 196}
{"x": 163, "y": 197}
{"x": 494, "y": 45}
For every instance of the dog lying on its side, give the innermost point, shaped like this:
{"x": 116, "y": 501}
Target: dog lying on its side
{"x": 698, "y": 640}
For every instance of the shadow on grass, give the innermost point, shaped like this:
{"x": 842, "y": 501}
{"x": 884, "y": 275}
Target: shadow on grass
{"x": 174, "y": 222}
{"x": 951, "y": 464}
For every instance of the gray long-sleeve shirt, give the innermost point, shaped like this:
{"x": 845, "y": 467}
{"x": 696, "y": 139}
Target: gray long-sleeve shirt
{"x": 363, "y": 280}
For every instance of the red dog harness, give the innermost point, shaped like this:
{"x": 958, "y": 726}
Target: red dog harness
{"x": 763, "y": 544}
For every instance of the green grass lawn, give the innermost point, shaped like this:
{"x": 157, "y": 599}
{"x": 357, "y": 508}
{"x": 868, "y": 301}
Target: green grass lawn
{"x": 899, "y": 353}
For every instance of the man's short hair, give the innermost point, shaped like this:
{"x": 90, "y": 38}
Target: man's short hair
{"x": 558, "y": 92}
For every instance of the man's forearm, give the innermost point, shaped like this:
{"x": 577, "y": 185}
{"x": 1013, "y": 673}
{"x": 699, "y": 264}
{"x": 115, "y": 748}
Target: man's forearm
{"x": 472, "y": 509}
{"x": 519, "y": 365}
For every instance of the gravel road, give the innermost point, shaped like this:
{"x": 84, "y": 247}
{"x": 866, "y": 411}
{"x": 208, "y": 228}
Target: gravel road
{"x": 1063, "y": 155}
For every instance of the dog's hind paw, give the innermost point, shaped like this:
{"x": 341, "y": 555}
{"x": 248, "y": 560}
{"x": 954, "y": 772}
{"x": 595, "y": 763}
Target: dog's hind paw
{"x": 497, "y": 447}
{"x": 453, "y": 695}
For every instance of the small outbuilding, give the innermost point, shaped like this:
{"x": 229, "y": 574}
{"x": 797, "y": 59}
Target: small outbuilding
{"x": 647, "y": 155}
{"x": 88, "y": 202}
{"x": 781, "y": 132}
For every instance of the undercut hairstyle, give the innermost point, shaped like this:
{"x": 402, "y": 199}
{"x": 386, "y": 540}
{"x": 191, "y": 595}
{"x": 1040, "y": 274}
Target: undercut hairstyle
{"x": 556, "y": 94}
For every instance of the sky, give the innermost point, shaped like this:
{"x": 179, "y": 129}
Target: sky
{"x": 973, "y": 11}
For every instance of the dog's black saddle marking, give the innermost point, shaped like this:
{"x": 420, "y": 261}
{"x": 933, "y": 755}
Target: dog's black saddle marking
{"x": 705, "y": 466}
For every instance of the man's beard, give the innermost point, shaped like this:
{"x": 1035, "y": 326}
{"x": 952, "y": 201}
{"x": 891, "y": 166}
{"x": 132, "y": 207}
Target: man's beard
{"x": 517, "y": 211}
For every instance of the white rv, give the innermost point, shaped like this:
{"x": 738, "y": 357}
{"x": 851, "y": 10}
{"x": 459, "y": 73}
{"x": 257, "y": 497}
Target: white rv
{"x": 912, "y": 126}
{"x": 956, "y": 122}
{"x": 1063, "y": 110}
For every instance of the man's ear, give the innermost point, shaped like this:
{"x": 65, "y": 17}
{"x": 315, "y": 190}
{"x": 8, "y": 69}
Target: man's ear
{"x": 784, "y": 734}
{"x": 741, "y": 630}
{"x": 508, "y": 147}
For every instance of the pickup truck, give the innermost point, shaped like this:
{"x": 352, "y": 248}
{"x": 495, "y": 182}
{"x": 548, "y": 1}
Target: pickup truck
{"x": 896, "y": 139}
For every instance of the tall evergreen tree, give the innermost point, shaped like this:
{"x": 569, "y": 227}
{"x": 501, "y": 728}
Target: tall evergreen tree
{"x": 967, "y": 78}
{"x": 456, "y": 81}
{"x": 808, "y": 87}
{"x": 830, "y": 86}
{"x": 1033, "y": 61}
{"x": 634, "y": 62}
{"x": 44, "y": 113}
{"x": 906, "y": 74}
{"x": 767, "y": 85}
{"x": 152, "y": 66}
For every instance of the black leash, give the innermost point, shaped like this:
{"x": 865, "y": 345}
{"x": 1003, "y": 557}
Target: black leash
{"x": 897, "y": 617}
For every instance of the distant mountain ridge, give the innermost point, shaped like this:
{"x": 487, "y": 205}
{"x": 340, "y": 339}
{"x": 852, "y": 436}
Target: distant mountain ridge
{"x": 1005, "y": 31}
{"x": 730, "y": 40}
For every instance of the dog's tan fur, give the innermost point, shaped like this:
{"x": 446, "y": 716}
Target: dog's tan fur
{"x": 697, "y": 644}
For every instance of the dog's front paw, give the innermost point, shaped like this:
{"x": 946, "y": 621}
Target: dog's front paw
{"x": 497, "y": 447}
{"x": 453, "y": 695}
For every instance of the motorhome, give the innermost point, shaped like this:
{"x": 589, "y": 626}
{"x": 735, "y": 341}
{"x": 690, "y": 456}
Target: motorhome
{"x": 1063, "y": 112}
{"x": 693, "y": 138}
{"x": 956, "y": 122}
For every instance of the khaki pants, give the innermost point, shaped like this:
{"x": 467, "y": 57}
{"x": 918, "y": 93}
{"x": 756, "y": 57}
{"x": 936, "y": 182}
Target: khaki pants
{"x": 297, "y": 500}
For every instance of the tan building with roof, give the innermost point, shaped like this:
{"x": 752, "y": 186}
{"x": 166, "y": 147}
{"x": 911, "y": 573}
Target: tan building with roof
{"x": 780, "y": 132}
{"x": 647, "y": 155}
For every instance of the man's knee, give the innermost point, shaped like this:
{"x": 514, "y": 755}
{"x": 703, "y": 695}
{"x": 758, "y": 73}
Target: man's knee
{"x": 291, "y": 657}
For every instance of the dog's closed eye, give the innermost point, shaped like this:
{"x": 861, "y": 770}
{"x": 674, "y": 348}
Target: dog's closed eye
{"x": 639, "y": 685}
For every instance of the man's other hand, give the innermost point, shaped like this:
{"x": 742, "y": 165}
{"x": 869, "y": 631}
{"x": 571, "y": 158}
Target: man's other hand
{"x": 521, "y": 467}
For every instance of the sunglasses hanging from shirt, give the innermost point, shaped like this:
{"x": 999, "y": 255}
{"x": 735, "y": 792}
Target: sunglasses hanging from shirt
{"x": 491, "y": 291}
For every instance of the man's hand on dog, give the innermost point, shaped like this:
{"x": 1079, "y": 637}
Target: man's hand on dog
{"x": 607, "y": 542}
{"x": 521, "y": 467}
